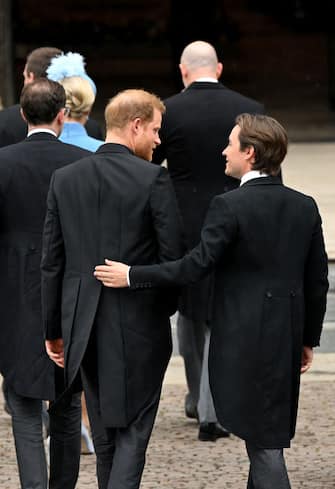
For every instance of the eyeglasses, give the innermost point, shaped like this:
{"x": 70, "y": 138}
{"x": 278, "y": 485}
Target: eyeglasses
{"x": 67, "y": 111}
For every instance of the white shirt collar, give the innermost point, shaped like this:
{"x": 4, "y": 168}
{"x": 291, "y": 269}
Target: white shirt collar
{"x": 250, "y": 175}
{"x": 35, "y": 131}
{"x": 207, "y": 79}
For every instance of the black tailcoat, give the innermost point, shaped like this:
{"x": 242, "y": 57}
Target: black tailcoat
{"x": 25, "y": 172}
{"x": 118, "y": 206}
{"x": 195, "y": 130}
{"x": 13, "y": 129}
{"x": 265, "y": 244}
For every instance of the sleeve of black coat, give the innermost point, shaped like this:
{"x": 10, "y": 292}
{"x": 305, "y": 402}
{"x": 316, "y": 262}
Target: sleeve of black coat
{"x": 315, "y": 285}
{"x": 52, "y": 268}
{"x": 218, "y": 232}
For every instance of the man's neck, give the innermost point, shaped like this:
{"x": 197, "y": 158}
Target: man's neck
{"x": 39, "y": 129}
{"x": 116, "y": 138}
{"x": 250, "y": 175}
{"x": 200, "y": 76}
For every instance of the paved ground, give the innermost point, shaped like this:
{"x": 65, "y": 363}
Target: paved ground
{"x": 175, "y": 458}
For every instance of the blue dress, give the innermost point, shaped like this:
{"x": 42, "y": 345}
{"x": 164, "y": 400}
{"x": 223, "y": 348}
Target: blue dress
{"x": 75, "y": 133}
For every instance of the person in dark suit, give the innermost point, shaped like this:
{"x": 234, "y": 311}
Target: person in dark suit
{"x": 30, "y": 377}
{"x": 13, "y": 128}
{"x": 264, "y": 243}
{"x": 114, "y": 202}
{"x": 195, "y": 124}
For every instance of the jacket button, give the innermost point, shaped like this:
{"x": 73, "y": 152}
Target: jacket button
{"x": 292, "y": 293}
{"x": 268, "y": 294}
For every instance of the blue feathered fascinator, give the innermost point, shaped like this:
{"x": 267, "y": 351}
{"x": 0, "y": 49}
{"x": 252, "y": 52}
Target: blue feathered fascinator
{"x": 66, "y": 65}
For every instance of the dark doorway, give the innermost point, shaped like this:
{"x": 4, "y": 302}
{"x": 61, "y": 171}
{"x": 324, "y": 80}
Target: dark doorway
{"x": 277, "y": 52}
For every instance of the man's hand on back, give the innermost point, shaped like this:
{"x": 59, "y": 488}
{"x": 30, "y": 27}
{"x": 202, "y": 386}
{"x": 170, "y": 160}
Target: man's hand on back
{"x": 112, "y": 274}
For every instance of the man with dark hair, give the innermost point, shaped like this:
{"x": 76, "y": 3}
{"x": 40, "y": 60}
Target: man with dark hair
{"x": 13, "y": 128}
{"x": 41, "y": 102}
{"x": 121, "y": 342}
{"x": 265, "y": 245}
{"x": 38, "y": 62}
{"x": 197, "y": 122}
{"x": 30, "y": 376}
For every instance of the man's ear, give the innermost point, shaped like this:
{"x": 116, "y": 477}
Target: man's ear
{"x": 183, "y": 72}
{"x": 23, "y": 116}
{"x": 137, "y": 124}
{"x": 30, "y": 77}
{"x": 60, "y": 117}
{"x": 219, "y": 69}
{"x": 250, "y": 154}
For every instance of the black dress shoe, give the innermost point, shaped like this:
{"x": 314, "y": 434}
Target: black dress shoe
{"x": 212, "y": 431}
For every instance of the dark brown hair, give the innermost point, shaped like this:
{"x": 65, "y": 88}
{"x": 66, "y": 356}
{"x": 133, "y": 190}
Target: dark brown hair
{"x": 38, "y": 61}
{"x": 41, "y": 101}
{"x": 267, "y": 137}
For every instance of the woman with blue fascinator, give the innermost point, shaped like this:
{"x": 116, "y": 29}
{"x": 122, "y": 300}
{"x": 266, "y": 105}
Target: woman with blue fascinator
{"x": 69, "y": 70}
{"x": 79, "y": 101}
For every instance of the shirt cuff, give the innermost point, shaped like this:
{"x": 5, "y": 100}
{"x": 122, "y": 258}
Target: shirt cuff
{"x": 128, "y": 279}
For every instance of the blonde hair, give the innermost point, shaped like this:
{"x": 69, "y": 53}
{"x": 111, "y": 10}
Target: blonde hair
{"x": 79, "y": 95}
{"x": 130, "y": 104}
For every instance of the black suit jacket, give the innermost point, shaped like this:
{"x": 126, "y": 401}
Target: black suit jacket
{"x": 265, "y": 244}
{"x": 195, "y": 130}
{"x": 118, "y": 206}
{"x": 13, "y": 129}
{"x": 25, "y": 172}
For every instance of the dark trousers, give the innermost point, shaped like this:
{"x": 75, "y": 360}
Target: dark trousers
{"x": 193, "y": 342}
{"x": 65, "y": 444}
{"x": 28, "y": 436}
{"x": 65, "y": 440}
{"x": 120, "y": 452}
{"x": 267, "y": 468}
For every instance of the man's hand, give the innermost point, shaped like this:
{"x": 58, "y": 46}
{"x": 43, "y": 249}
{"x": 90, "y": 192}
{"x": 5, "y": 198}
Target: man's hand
{"x": 55, "y": 350}
{"x": 112, "y": 274}
{"x": 306, "y": 359}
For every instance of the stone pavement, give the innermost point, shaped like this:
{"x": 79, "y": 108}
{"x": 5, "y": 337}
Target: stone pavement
{"x": 177, "y": 460}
